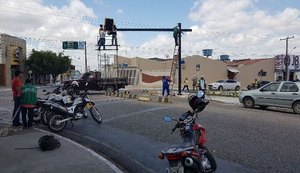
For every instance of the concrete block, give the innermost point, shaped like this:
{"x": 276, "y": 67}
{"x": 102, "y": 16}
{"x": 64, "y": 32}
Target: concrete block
{"x": 144, "y": 98}
{"x": 159, "y": 99}
{"x": 166, "y": 99}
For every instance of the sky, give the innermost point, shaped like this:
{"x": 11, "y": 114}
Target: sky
{"x": 238, "y": 28}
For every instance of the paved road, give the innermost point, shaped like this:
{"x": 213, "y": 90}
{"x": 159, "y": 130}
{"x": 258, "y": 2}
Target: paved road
{"x": 242, "y": 140}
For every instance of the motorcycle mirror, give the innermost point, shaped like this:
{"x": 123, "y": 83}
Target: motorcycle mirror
{"x": 167, "y": 118}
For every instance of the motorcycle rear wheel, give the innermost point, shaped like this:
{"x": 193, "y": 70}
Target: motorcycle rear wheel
{"x": 95, "y": 113}
{"x": 53, "y": 126}
{"x": 207, "y": 155}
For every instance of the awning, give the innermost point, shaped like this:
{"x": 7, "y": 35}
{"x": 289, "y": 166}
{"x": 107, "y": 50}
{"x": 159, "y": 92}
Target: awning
{"x": 233, "y": 70}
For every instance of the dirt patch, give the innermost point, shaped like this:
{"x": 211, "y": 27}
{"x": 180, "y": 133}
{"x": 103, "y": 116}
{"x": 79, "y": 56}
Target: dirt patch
{"x": 8, "y": 130}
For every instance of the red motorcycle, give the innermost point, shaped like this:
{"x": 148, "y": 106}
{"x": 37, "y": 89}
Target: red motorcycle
{"x": 192, "y": 155}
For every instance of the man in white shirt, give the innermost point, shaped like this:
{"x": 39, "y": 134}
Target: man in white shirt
{"x": 202, "y": 84}
{"x": 101, "y": 41}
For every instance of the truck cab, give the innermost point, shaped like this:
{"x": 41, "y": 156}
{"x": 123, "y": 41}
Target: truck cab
{"x": 96, "y": 83}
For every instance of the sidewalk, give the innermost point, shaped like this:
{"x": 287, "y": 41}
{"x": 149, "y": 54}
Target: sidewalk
{"x": 177, "y": 98}
{"x": 69, "y": 157}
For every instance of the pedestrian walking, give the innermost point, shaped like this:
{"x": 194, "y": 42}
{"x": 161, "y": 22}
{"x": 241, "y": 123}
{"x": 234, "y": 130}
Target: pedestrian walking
{"x": 28, "y": 103}
{"x": 101, "y": 41}
{"x": 165, "y": 82}
{"x": 195, "y": 80}
{"x": 16, "y": 88}
{"x": 186, "y": 84}
{"x": 202, "y": 84}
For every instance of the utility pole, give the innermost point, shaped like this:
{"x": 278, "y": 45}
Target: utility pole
{"x": 287, "y": 59}
{"x": 85, "y": 58}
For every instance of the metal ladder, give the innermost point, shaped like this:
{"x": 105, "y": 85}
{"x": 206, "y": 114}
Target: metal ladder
{"x": 173, "y": 69}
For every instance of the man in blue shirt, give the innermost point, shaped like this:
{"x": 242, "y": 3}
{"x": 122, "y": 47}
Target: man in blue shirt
{"x": 165, "y": 82}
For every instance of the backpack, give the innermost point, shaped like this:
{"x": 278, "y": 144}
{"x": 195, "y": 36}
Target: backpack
{"x": 48, "y": 142}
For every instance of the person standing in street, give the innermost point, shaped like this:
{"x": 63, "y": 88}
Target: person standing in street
{"x": 165, "y": 83}
{"x": 202, "y": 84}
{"x": 28, "y": 103}
{"x": 16, "y": 89}
{"x": 101, "y": 41}
{"x": 186, "y": 84}
{"x": 194, "y": 80}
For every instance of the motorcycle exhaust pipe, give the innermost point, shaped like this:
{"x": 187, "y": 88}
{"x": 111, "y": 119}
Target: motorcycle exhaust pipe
{"x": 188, "y": 162}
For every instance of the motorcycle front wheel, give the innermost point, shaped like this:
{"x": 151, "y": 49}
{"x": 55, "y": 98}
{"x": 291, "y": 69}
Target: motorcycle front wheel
{"x": 208, "y": 162}
{"x": 54, "y": 125}
{"x": 95, "y": 113}
{"x": 37, "y": 115}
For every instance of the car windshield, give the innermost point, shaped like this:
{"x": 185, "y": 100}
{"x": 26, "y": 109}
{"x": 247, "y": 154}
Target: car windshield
{"x": 220, "y": 81}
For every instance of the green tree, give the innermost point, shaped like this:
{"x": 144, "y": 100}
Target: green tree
{"x": 48, "y": 62}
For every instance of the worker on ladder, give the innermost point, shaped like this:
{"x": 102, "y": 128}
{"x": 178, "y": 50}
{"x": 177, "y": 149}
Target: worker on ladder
{"x": 176, "y": 35}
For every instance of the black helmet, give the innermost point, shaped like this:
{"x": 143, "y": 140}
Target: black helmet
{"x": 196, "y": 103}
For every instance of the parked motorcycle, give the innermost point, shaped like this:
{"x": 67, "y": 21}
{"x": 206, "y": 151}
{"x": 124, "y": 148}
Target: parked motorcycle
{"x": 60, "y": 115}
{"x": 42, "y": 104}
{"x": 192, "y": 155}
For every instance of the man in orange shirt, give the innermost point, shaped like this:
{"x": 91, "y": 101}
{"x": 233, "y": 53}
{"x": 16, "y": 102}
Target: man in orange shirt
{"x": 16, "y": 85}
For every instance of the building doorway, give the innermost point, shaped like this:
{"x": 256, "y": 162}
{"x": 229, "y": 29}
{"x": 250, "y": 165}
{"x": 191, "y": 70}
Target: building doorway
{"x": 291, "y": 77}
{"x": 2, "y": 77}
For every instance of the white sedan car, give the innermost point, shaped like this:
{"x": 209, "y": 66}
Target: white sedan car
{"x": 225, "y": 85}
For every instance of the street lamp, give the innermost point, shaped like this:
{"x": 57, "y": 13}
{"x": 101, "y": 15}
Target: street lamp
{"x": 292, "y": 50}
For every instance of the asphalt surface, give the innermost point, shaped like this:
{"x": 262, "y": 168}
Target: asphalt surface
{"x": 242, "y": 140}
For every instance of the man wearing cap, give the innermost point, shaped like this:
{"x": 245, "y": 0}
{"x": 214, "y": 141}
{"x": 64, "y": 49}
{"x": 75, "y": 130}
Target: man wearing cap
{"x": 16, "y": 85}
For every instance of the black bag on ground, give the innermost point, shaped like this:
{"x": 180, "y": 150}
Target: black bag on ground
{"x": 48, "y": 142}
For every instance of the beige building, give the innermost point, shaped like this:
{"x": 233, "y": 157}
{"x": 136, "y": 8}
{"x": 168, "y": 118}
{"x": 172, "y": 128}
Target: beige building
{"x": 12, "y": 57}
{"x": 149, "y": 72}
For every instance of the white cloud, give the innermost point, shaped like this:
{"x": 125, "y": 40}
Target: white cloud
{"x": 237, "y": 28}
{"x": 120, "y": 11}
{"x": 45, "y": 27}
{"x": 240, "y": 29}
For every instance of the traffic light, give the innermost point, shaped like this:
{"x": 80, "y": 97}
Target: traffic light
{"x": 109, "y": 24}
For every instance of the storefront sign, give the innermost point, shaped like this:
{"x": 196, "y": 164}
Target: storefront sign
{"x": 14, "y": 55}
{"x": 292, "y": 61}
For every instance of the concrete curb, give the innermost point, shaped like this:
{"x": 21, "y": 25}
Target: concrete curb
{"x": 99, "y": 157}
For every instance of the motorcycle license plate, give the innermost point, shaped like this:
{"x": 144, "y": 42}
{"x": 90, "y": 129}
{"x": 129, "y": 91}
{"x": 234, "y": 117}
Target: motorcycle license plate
{"x": 88, "y": 106}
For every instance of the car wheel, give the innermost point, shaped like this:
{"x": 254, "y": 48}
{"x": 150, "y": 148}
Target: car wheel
{"x": 296, "y": 107}
{"x": 248, "y": 102}
{"x": 263, "y": 107}
{"x": 237, "y": 88}
{"x": 220, "y": 88}
{"x": 110, "y": 89}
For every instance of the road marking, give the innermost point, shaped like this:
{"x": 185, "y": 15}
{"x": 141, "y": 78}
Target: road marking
{"x": 110, "y": 100}
{"x": 111, "y": 165}
{"x": 139, "y": 112}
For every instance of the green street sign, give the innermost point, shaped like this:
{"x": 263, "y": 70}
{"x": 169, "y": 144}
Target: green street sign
{"x": 70, "y": 45}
